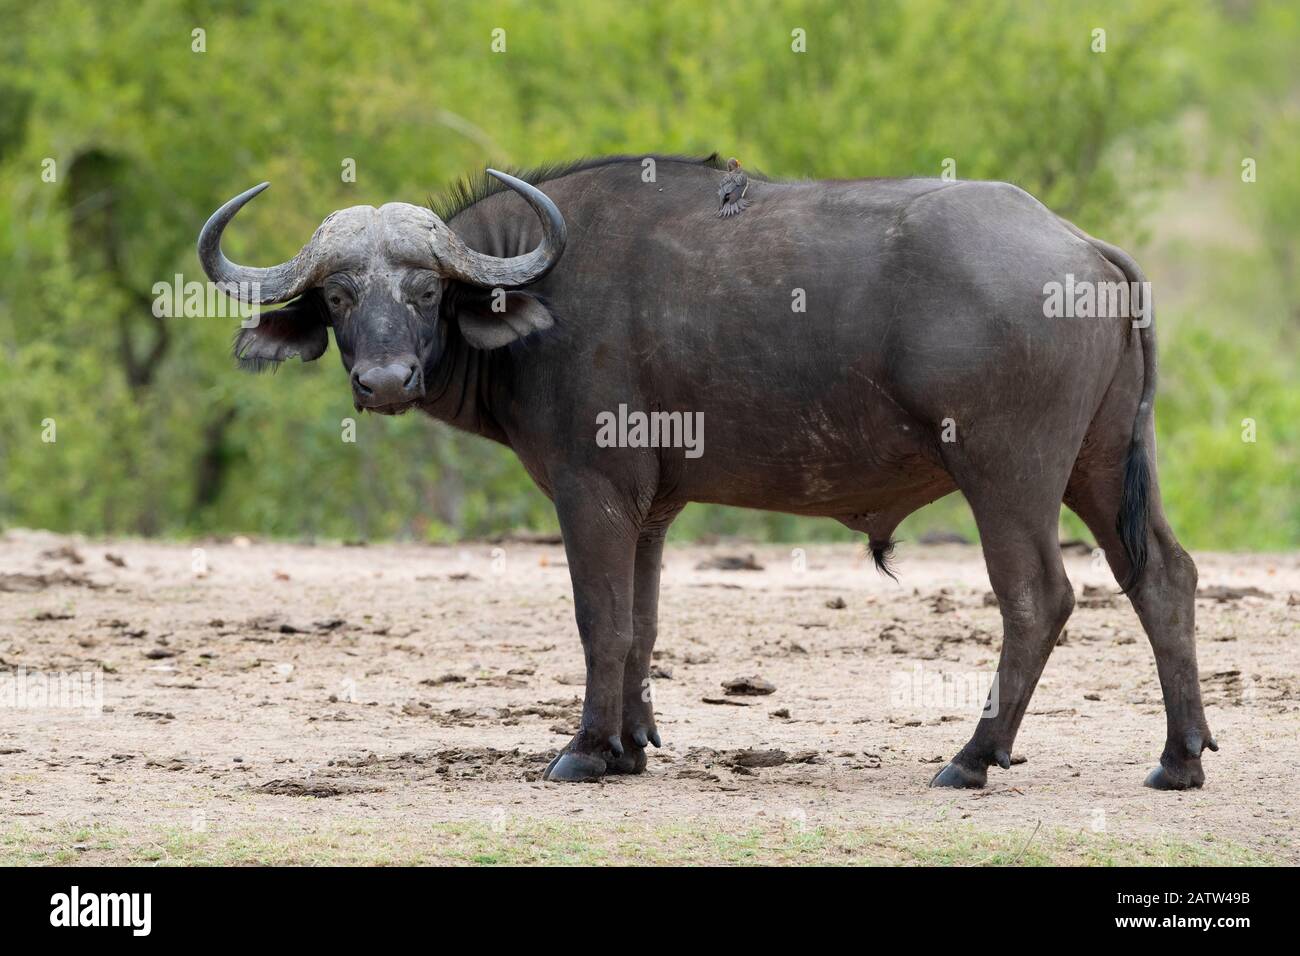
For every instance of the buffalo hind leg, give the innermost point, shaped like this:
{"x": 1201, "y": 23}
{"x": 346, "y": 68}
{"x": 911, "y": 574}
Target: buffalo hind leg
{"x": 1024, "y": 564}
{"x": 1165, "y": 601}
{"x": 601, "y": 546}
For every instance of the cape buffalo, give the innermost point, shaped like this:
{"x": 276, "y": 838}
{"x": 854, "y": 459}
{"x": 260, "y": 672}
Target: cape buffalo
{"x": 856, "y": 349}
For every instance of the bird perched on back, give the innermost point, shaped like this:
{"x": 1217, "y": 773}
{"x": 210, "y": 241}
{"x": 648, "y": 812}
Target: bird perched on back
{"x": 731, "y": 193}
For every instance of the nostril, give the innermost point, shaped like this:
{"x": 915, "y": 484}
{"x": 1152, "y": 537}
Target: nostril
{"x": 360, "y": 386}
{"x": 412, "y": 379}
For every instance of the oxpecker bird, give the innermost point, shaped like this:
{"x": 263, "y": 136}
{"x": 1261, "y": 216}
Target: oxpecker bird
{"x": 731, "y": 194}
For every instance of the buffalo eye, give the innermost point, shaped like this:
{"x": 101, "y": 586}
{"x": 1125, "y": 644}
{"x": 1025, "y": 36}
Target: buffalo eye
{"x": 426, "y": 296}
{"x": 335, "y": 300}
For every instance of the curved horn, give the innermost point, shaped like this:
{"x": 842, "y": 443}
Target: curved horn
{"x": 462, "y": 262}
{"x": 276, "y": 284}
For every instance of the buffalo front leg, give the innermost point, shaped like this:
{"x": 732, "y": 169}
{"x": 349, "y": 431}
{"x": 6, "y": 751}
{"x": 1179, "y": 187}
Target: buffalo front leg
{"x": 638, "y": 700}
{"x": 601, "y": 545}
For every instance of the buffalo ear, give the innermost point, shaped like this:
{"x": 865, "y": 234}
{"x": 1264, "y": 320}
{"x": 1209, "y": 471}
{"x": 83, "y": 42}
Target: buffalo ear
{"x": 520, "y": 315}
{"x": 299, "y": 328}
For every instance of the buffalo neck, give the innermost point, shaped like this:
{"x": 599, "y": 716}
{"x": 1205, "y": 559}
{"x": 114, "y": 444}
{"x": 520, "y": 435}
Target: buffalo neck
{"x": 466, "y": 384}
{"x": 462, "y": 384}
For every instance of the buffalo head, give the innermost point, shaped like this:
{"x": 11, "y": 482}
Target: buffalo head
{"x": 381, "y": 278}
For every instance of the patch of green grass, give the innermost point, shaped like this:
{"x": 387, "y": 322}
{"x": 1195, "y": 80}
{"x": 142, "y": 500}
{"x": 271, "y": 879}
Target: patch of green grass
{"x": 549, "y": 843}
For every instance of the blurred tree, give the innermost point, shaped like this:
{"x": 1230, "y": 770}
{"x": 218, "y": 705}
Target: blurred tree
{"x": 154, "y": 113}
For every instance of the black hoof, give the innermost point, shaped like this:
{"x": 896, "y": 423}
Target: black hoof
{"x": 1161, "y": 779}
{"x": 631, "y": 760}
{"x": 570, "y": 767}
{"x": 955, "y": 775}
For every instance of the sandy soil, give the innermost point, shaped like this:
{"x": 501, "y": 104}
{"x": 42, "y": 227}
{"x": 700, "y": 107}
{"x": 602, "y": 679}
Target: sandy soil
{"x": 406, "y": 685}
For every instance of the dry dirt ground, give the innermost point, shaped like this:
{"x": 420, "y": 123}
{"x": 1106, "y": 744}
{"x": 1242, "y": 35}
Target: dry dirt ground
{"x": 266, "y": 702}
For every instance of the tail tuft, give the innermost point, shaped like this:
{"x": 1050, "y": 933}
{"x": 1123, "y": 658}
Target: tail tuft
{"x": 1134, "y": 508}
{"x": 882, "y": 553}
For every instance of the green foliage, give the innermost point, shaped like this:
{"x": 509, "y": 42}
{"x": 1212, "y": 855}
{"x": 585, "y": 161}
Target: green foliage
{"x": 156, "y": 432}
